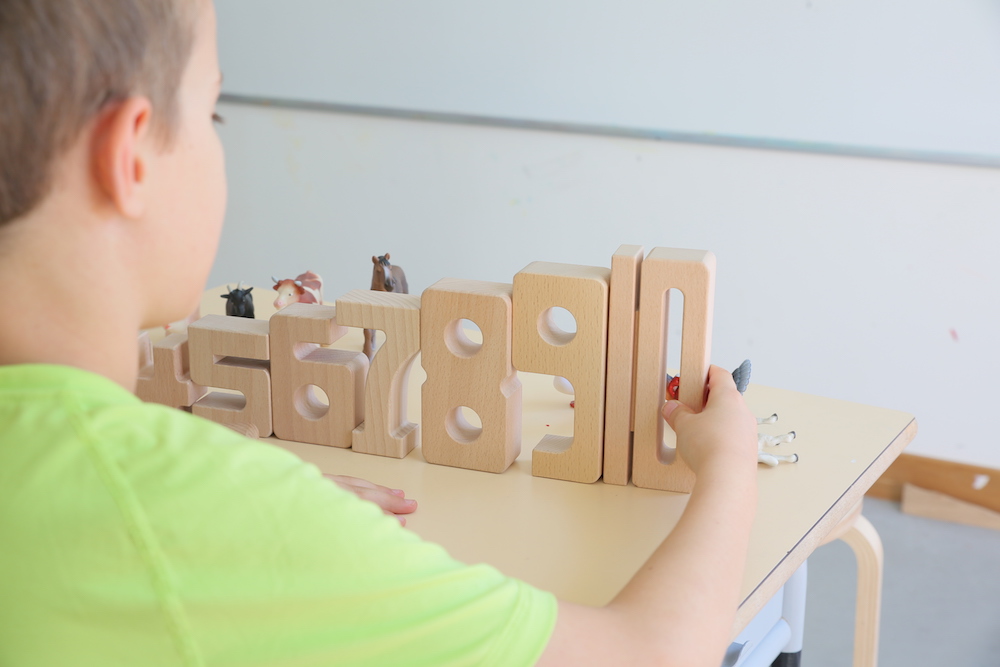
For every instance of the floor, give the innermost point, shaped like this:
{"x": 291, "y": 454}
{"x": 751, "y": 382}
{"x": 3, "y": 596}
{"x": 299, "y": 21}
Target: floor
{"x": 940, "y": 600}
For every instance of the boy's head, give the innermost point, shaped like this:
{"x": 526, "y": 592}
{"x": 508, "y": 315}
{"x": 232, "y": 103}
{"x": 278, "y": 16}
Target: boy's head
{"x": 106, "y": 113}
{"x": 65, "y": 60}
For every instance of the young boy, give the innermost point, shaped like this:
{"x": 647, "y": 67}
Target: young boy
{"x": 131, "y": 534}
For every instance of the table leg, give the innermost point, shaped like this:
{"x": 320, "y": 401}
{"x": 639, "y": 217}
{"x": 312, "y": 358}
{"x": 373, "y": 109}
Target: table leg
{"x": 867, "y": 546}
{"x": 861, "y": 536}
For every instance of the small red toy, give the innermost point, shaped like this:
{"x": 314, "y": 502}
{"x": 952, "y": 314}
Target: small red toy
{"x": 673, "y": 387}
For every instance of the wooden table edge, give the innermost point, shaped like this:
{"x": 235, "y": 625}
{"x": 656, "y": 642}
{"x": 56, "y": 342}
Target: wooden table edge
{"x": 841, "y": 509}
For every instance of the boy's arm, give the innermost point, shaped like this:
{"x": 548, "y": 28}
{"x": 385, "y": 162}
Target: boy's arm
{"x": 679, "y": 608}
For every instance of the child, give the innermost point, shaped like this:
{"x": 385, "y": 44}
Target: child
{"x": 137, "y": 535}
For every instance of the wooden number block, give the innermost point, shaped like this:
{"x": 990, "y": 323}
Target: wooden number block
{"x": 164, "y": 372}
{"x": 247, "y": 430}
{"x": 145, "y": 353}
{"x": 464, "y": 373}
{"x": 692, "y": 272}
{"x": 385, "y": 430}
{"x": 622, "y": 309}
{"x": 232, "y": 353}
{"x": 300, "y": 367}
{"x": 540, "y": 346}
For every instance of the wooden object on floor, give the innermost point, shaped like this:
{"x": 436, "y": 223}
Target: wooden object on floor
{"x": 463, "y": 373}
{"x": 973, "y": 484}
{"x": 232, "y": 353}
{"x": 692, "y": 272}
{"x": 540, "y": 346}
{"x": 385, "y": 431}
{"x": 164, "y": 372}
{"x": 623, "y": 306}
{"x": 936, "y": 505}
{"x": 299, "y": 366}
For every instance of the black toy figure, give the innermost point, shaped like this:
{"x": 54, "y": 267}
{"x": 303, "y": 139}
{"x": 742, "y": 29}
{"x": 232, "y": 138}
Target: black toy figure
{"x": 239, "y": 301}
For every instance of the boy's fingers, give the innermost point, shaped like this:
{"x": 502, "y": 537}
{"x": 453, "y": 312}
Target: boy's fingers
{"x": 392, "y": 501}
{"x": 721, "y": 386}
{"x": 348, "y": 481}
{"x": 388, "y": 501}
{"x": 719, "y": 377}
{"x": 352, "y": 483}
{"x": 674, "y": 412}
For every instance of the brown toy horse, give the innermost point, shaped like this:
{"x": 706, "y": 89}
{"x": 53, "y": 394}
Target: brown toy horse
{"x": 385, "y": 278}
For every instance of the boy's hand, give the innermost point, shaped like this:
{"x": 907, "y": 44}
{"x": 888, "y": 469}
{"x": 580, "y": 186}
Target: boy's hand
{"x": 723, "y": 432}
{"x": 392, "y": 501}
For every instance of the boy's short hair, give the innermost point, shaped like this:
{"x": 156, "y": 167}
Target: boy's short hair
{"x": 63, "y": 61}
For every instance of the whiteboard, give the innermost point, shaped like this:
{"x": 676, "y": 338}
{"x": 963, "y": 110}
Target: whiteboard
{"x": 909, "y": 78}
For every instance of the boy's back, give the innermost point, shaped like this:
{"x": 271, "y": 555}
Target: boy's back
{"x": 136, "y": 534}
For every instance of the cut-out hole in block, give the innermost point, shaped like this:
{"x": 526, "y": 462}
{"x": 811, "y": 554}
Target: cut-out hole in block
{"x": 557, "y": 326}
{"x": 673, "y": 344}
{"x": 675, "y": 327}
{"x": 311, "y": 402}
{"x": 464, "y": 425}
{"x": 563, "y": 385}
{"x": 463, "y": 338}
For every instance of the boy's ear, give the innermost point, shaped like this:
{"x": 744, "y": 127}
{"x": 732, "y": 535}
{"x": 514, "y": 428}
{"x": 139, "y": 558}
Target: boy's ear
{"x": 121, "y": 155}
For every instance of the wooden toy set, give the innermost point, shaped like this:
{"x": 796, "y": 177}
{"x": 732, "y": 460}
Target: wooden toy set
{"x": 615, "y": 361}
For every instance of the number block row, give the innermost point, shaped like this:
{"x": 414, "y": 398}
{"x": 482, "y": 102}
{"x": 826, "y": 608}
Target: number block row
{"x": 287, "y": 382}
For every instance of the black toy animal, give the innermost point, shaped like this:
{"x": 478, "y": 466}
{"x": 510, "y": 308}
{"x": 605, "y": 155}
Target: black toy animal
{"x": 239, "y": 301}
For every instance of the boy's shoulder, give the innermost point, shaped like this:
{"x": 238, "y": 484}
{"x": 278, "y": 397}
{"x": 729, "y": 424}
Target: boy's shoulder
{"x": 66, "y": 407}
{"x": 65, "y": 428}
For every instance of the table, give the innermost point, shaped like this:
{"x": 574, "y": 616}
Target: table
{"x": 584, "y": 541}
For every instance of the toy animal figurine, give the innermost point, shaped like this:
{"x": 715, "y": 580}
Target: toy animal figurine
{"x": 239, "y": 301}
{"x": 742, "y": 378}
{"x": 304, "y": 288}
{"x": 763, "y": 440}
{"x": 385, "y": 278}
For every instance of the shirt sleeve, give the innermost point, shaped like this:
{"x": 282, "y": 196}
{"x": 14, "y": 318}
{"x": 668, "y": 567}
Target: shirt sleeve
{"x": 273, "y": 564}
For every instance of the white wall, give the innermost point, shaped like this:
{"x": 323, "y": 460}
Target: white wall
{"x": 867, "y": 280}
{"x": 884, "y": 74}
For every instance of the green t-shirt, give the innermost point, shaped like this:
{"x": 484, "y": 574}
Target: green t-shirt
{"x": 134, "y": 534}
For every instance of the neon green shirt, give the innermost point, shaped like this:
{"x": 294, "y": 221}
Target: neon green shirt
{"x": 134, "y": 534}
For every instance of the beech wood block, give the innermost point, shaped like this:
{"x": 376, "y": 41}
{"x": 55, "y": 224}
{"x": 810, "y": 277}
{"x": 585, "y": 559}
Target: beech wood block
{"x": 145, "y": 352}
{"x": 692, "y": 272}
{"x": 623, "y": 308}
{"x": 164, "y": 372}
{"x": 299, "y": 365}
{"x": 462, "y": 372}
{"x": 580, "y": 357}
{"x": 248, "y": 430}
{"x": 232, "y": 353}
{"x": 385, "y": 431}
